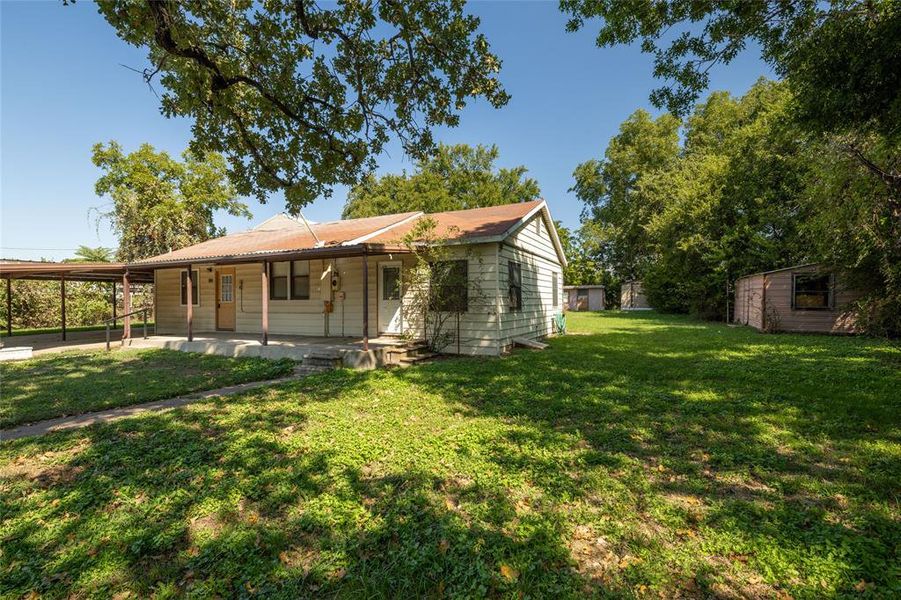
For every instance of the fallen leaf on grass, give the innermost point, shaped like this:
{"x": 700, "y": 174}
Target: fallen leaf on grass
{"x": 509, "y": 573}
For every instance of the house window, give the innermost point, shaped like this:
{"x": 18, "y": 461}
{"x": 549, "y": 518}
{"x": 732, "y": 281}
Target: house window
{"x": 195, "y": 295}
{"x": 556, "y": 292}
{"x": 514, "y": 285}
{"x": 278, "y": 280}
{"x": 449, "y": 288}
{"x": 812, "y": 291}
{"x": 300, "y": 280}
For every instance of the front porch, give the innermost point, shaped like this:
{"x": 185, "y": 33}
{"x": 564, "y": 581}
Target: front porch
{"x": 349, "y": 352}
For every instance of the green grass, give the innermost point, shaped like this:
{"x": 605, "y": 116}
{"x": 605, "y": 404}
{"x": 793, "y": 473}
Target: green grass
{"x": 136, "y": 326}
{"x": 71, "y": 383}
{"x": 642, "y": 456}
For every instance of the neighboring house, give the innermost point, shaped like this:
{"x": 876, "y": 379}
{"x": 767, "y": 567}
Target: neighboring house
{"x": 632, "y": 296}
{"x": 804, "y": 298}
{"x": 584, "y": 297}
{"x": 289, "y": 277}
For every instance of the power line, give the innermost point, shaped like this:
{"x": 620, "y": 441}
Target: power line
{"x": 20, "y": 248}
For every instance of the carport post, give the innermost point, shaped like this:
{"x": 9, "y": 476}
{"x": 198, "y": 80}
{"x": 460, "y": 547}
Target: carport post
{"x": 114, "y": 305}
{"x": 189, "y": 285}
{"x": 9, "y": 306}
{"x": 265, "y": 302}
{"x": 126, "y": 306}
{"x": 62, "y": 303}
{"x": 365, "y": 300}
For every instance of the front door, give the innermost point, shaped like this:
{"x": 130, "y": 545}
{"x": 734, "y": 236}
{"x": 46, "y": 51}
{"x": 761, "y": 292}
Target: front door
{"x": 390, "y": 318}
{"x": 225, "y": 299}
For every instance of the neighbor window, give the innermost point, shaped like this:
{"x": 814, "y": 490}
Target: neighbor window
{"x": 195, "y": 296}
{"x": 449, "y": 289}
{"x": 812, "y": 291}
{"x": 300, "y": 280}
{"x": 514, "y": 285}
{"x": 278, "y": 280}
{"x": 556, "y": 291}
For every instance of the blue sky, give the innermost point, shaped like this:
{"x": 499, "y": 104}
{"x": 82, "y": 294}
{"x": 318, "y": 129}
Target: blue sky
{"x": 63, "y": 88}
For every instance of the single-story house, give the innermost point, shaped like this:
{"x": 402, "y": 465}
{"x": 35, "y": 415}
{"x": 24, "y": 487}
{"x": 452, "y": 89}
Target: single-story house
{"x": 288, "y": 276}
{"x": 584, "y": 297}
{"x": 632, "y": 296}
{"x": 803, "y": 298}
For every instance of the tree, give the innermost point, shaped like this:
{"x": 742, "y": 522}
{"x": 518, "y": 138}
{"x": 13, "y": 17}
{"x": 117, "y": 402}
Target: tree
{"x": 299, "y": 97}
{"x": 159, "y": 203}
{"x": 88, "y": 254}
{"x": 455, "y": 178}
{"x": 611, "y": 189}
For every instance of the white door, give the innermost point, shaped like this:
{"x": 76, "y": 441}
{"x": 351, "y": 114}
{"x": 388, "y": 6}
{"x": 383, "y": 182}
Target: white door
{"x": 390, "y": 317}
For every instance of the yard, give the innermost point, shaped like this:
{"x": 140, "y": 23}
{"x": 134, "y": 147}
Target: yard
{"x": 643, "y": 455}
{"x": 75, "y": 382}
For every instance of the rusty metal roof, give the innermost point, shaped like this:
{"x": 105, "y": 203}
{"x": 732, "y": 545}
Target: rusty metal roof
{"x": 71, "y": 271}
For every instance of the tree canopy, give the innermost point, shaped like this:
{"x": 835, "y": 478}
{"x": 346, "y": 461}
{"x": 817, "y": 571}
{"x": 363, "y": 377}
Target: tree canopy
{"x": 88, "y": 254}
{"x": 457, "y": 177}
{"x": 299, "y": 97}
{"x": 159, "y": 203}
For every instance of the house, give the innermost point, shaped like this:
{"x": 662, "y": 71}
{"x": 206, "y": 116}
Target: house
{"x": 803, "y": 298}
{"x": 344, "y": 278}
{"x": 632, "y": 296}
{"x": 584, "y": 297}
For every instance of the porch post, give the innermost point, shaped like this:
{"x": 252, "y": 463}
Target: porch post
{"x": 189, "y": 284}
{"x": 265, "y": 302}
{"x": 365, "y": 300}
{"x": 62, "y": 299}
{"x": 126, "y": 306}
{"x": 9, "y": 306}
{"x": 114, "y": 305}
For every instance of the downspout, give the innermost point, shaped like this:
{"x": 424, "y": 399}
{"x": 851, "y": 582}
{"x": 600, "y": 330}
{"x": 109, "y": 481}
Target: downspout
{"x": 497, "y": 293}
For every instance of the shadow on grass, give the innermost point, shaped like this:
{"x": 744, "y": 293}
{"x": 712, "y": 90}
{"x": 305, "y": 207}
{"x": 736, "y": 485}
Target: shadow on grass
{"x": 655, "y": 454}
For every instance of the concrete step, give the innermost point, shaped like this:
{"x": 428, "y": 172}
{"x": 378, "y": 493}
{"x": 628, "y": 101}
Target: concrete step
{"x": 322, "y": 360}
{"x": 417, "y": 358}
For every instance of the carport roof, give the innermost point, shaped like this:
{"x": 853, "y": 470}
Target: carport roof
{"x": 72, "y": 271}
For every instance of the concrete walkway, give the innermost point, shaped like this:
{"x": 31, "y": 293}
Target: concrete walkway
{"x": 114, "y": 414}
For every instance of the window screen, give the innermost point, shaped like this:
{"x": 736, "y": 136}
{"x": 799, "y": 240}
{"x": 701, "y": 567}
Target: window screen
{"x": 278, "y": 280}
{"x": 812, "y": 291}
{"x": 449, "y": 288}
{"x": 514, "y": 285}
{"x": 195, "y": 297}
{"x": 300, "y": 280}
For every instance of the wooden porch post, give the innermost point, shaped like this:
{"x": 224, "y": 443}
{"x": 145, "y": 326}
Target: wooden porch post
{"x": 265, "y": 302}
{"x": 114, "y": 305}
{"x": 9, "y": 306}
{"x": 126, "y": 306}
{"x": 365, "y": 300}
{"x": 62, "y": 299}
{"x": 189, "y": 285}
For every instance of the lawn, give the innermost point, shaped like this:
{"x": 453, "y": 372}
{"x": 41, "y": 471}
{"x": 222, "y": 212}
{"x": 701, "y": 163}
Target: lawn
{"x": 71, "y": 383}
{"x": 641, "y": 456}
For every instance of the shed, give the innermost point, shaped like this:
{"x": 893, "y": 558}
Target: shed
{"x": 802, "y": 298}
{"x": 584, "y": 297}
{"x": 632, "y": 296}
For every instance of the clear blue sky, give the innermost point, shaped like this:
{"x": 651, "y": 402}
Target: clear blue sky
{"x": 62, "y": 88}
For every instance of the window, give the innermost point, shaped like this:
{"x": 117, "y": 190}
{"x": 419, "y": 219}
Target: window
{"x": 812, "y": 291}
{"x": 195, "y": 296}
{"x": 556, "y": 291}
{"x": 226, "y": 288}
{"x": 514, "y": 285}
{"x": 300, "y": 280}
{"x": 390, "y": 283}
{"x": 449, "y": 289}
{"x": 278, "y": 280}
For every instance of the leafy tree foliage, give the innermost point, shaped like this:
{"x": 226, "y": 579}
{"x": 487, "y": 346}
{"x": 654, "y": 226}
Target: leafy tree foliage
{"x": 159, "y": 203}
{"x": 300, "y": 97}
{"x": 89, "y": 254}
{"x": 455, "y": 178}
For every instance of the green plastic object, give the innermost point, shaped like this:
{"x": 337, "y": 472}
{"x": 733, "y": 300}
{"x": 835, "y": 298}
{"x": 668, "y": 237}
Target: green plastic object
{"x": 560, "y": 323}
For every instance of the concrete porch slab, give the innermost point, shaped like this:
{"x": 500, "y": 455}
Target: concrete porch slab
{"x": 344, "y": 351}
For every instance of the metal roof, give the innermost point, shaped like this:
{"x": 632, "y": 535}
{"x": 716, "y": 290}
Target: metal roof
{"x": 72, "y": 271}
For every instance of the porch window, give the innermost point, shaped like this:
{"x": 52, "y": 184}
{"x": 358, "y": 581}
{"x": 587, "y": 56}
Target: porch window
{"x": 514, "y": 285}
{"x": 195, "y": 296}
{"x": 449, "y": 286}
{"x": 278, "y": 280}
{"x": 300, "y": 280}
{"x": 556, "y": 292}
{"x": 812, "y": 291}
